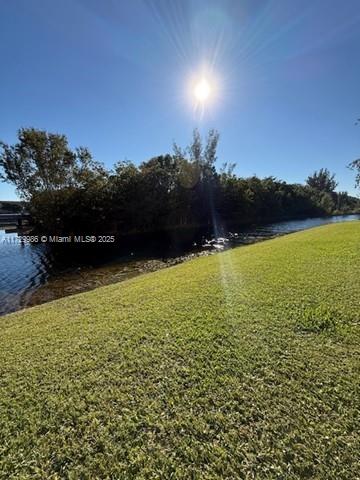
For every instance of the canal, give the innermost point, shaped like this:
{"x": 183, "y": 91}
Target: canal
{"x": 31, "y": 273}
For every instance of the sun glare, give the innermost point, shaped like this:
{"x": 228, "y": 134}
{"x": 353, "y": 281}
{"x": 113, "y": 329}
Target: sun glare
{"x": 202, "y": 90}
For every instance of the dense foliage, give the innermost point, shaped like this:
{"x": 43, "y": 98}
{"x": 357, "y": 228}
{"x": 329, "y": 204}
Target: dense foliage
{"x": 69, "y": 192}
{"x": 241, "y": 365}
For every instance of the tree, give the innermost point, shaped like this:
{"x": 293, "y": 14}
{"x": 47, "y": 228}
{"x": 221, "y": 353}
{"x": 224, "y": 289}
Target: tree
{"x": 197, "y": 154}
{"x": 322, "y": 181}
{"x": 43, "y": 162}
{"x": 68, "y": 192}
{"x": 355, "y": 165}
{"x": 66, "y": 189}
{"x": 199, "y": 172}
{"x": 158, "y": 184}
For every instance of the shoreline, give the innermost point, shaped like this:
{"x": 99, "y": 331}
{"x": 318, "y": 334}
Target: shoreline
{"x": 83, "y": 278}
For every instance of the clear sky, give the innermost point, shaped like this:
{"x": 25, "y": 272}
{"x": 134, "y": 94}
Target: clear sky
{"x": 114, "y": 75}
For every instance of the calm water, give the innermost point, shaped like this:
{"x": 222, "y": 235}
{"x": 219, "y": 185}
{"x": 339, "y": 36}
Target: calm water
{"x": 31, "y": 274}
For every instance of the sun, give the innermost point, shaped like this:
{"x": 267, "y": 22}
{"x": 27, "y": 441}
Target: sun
{"x": 202, "y": 90}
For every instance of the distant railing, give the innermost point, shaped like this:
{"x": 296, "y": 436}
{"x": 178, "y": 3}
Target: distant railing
{"x": 18, "y": 219}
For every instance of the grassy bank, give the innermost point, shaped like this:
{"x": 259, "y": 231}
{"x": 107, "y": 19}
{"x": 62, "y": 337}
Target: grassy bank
{"x": 243, "y": 364}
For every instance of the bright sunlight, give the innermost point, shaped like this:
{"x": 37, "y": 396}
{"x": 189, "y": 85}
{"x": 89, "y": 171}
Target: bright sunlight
{"x": 202, "y": 91}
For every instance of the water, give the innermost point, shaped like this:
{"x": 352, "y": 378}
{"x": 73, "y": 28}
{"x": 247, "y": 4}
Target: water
{"x": 31, "y": 274}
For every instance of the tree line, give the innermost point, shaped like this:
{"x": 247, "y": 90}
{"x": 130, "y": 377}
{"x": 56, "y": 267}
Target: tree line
{"x": 67, "y": 191}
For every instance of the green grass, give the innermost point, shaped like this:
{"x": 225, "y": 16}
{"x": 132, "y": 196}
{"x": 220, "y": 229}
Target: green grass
{"x": 239, "y": 365}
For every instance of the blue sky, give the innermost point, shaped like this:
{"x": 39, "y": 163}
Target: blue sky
{"x": 114, "y": 76}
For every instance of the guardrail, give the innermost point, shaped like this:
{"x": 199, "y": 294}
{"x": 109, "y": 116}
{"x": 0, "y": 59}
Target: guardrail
{"x": 14, "y": 218}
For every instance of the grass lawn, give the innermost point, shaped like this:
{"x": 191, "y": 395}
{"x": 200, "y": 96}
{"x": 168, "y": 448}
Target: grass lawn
{"x": 244, "y": 364}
